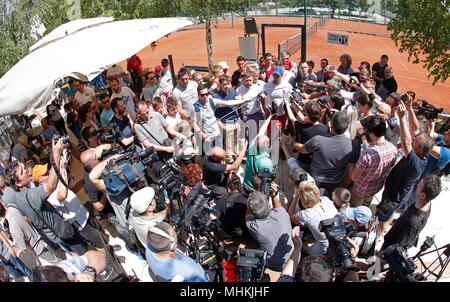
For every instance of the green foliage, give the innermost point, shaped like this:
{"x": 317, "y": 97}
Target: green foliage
{"x": 422, "y": 29}
{"x": 16, "y": 19}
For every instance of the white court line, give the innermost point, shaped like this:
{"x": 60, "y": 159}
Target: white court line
{"x": 425, "y": 81}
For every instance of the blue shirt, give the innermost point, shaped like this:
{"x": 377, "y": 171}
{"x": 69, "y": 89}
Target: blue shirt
{"x": 231, "y": 112}
{"x": 181, "y": 265}
{"x": 433, "y": 163}
{"x": 402, "y": 178}
{"x": 106, "y": 117}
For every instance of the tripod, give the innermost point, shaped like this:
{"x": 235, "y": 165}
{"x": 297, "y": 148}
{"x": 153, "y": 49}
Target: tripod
{"x": 443, "y": 260}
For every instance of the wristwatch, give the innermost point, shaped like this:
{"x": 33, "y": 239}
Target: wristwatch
{"x": 90, "y": 269}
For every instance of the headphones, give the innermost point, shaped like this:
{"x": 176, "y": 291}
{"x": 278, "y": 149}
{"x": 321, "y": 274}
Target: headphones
{"x": 160, "y": 232}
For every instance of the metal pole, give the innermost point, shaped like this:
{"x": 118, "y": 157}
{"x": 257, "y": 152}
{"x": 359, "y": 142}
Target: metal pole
{"x": 305, "y": 12}
{"x": 304, "y": 43}
{"x": 385, "y": 12}
{"x": 172, "y": 71}
{"x": 263, "y": 39}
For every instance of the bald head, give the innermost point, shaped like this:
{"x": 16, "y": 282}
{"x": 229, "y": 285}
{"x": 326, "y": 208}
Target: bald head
{"x": 218, "y": 154}
{"x": 384, "y": 111}
{"x": 88, "y": 159}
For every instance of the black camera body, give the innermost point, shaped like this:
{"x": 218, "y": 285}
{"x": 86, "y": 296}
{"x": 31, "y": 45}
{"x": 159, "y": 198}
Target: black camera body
{"x": 429, "y": 111}
{"x": 401, "y": 268}
{"x": 325, "y": 104}
{"x": 266, "y": 176}
{"x": 339, "y": 248}
{"x": 251, "y": 265}
{"x": 65, "y": 139}
{"x": 195, "y": 212}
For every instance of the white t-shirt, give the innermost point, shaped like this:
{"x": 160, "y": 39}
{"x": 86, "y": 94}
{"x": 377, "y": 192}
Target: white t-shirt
{"x": 187, "y": 96}
{"x": 167, "y": 78}
{"x": 127, "y": 94}
{"x": 85, "y": 96}
{"x": 174, "y": 121}
{"x": 277, "y": 94}
{"x": 71, "y": 209}
{"x": 254, "y": 105}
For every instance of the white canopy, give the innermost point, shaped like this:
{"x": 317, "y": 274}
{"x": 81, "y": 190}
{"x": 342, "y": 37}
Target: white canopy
{"x": 83, "y": 49}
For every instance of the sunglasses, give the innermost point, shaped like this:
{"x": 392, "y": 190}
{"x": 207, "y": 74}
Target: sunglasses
{"x": 204, "y": 94}
{"x": 151, "y": 78}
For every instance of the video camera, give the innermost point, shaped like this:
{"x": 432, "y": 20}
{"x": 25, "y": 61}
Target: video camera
{"x": 429, "y": 111}
{"x": 195, "y": 212}
{"x": 251, "y": 265}
{"x": 325, "y": 103}
{"x": 65, "y": 139}
{"x": 266, "y": 176}
{"x": 109, "y": 136}
{"x": 339, "y": 248}
{"x": 128, "y": 171}
{"x": 401, "y": 268}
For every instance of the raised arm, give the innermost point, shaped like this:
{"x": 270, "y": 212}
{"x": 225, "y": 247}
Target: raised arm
{"x": 96, "y": 174}
{"x": 50, "y": 185}
{"x": 238, "y": 160}
{"x": 413, "y": 122}
{"x": 290, "y": 267}
{"x": 405, "y": 134}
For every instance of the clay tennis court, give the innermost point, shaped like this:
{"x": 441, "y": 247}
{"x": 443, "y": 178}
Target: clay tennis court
{"x": 188, "y": 47}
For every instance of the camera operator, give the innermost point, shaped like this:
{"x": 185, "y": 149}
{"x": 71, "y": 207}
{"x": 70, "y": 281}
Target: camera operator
{"x": 312, "y": 268}
{"x": 164, "y": 259}
{"x": 407, "y": 228}
{"x": 216, "y": 171}
{"x": 83, "y": 268}
{"x": 400, "y": 181}
{"x": 119, "y": 203}
{"x": 32, "y": 202}
{"x": 232, "y": 208}
{"x": 271, "y": 228}
{"x": 440, "y": 154}
{"x": 122, "y": 119}
{"x": 72, "y": 209}
{"x": 143, "y": 214}
{"x": 316, "y": 209}
{"x": 258, "y": 156}
{"x": 333, "y": 156}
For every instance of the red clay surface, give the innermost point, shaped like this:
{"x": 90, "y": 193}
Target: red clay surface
{"x": 188, "y": 47}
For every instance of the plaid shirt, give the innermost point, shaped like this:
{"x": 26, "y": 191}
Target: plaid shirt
{"x": 375, "y": 162}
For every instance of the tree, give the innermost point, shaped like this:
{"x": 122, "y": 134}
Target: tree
{"x": 422, "y": 29}
{"x": 207, "y": 11}
{"x": 17, "y": 18}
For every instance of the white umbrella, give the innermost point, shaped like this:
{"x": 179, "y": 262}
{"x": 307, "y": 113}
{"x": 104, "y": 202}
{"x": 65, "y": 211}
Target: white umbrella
{"x": 89, "y": 48}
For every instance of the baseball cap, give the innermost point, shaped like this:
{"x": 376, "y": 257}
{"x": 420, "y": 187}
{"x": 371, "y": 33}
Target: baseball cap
{"x": 38, "y": 171}
{"x": 141, "y": 199}
{"x": 278, "y": 70}
{"x": 223, "y": 64}
{"x": 164, "y": 62}
{"x": 361, "y": 214}
{"x": 158, "y": 68}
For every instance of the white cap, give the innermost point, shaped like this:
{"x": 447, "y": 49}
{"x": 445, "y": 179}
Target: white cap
{"x": 223, "y": 64}
{"x": 141, "y": 199}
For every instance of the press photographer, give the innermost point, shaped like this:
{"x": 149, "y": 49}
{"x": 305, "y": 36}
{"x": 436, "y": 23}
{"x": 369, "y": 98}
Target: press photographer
{"x": 270, "y": 227}
{"x": 32, "y": 202}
